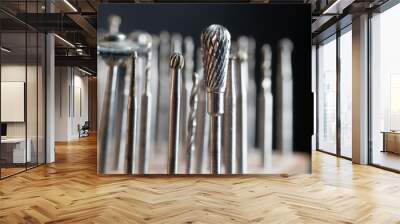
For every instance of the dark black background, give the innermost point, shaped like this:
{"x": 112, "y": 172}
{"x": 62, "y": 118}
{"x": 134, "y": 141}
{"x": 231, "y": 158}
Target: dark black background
{"x": 266, "y": 23}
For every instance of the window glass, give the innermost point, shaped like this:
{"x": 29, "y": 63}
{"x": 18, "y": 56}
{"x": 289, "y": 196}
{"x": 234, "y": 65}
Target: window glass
{"x": 346, "y": 94}
{"x": 385, "y": 88}
{"x": 327, "y": 96}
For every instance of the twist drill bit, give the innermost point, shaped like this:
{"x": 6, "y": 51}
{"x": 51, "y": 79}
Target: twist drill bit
{"x": 284, "y": 93}
{"x": 242, "y": 114}
{"x": 187, "y": 84}
{"x": 115, "y": 134}
{"x": 202, "y": 124}
{"x": 176, "y": 65}
{"x": 230, "y": 119}
{"x": 192, "y": 124}
{"x": 215, "y": 41}
{"x": 266, "y": 108}
{"x": 145, "y": 127}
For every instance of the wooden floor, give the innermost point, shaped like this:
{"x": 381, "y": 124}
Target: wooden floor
{"x": 70, "y": 191}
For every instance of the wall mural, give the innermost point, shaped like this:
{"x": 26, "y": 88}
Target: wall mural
{"x": 204, "y": 89}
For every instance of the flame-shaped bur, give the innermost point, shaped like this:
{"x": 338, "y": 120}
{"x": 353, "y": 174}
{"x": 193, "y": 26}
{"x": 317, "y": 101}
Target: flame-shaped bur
{"x": 216, "y": 43}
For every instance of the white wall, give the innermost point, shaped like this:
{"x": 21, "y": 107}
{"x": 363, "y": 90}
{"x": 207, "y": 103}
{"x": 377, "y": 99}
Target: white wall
{"x": 71, "y": 94}
{"x": 33, "y": 126}
{"x": 16, "y": 73}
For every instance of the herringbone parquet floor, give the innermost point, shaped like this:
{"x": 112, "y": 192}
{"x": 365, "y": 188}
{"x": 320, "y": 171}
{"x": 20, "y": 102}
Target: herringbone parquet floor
{"x": 70, "y": 191}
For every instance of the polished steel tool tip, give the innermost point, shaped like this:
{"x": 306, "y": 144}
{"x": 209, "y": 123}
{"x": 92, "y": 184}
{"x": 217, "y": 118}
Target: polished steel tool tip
{"x": 265, "y": 102}
{"x": 192, "y": 123}
{"x": 114, "y": 43}
{"x": 177, "y": 61}
{"x": 142, "y": 41}
{"x": 215, "y": 41}
{"x": 266, "y": 63}
{"x": 284, "y": 95}
{"x": 114, "y": 22}
{"x": 286, "y": 48}
{"x": 114, "y": 144}
{"x": 176, "y": 64}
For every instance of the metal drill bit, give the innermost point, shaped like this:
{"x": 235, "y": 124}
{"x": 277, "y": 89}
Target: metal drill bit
{"x": 132, "y": 117}
{"x": 201, "y": 120}
{"x": 142, "y": 42}
{"x": 245, "y": 47}
{"x": 154, "y": 88}
{"x": 176, "y": 65}
{"x": 176, "y": 43}
{"x": 201, "y": 144}
{"x": 114, "y": 132}
{"x": 216, "y": 42}
{"x": 187, "y": 85}
{"x": 252, "y": 57}
{"x": 266, "y": 108}
{"x": 163, "y": 92}
{"x": 192, "y": 124}
{"x": 145, "y": 127}
{"x": 242, "y": 127}
{"x": 230, "y": 119}
{"x": 176, "y": 47}
{"x": 284, "y": 96}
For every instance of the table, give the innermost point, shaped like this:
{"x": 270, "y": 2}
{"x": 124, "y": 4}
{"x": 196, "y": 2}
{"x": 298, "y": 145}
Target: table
{"x": 391, "y": 141}
{"x": 13, "y": 150}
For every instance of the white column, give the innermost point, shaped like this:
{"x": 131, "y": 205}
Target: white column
{"x": 50, "y": 99}
{"x": 360, "y": 90}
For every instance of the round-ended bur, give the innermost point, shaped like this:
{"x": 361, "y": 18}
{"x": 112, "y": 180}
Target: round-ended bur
{"x": 176, "y": 64}
{"x": 215, "y": 43}
{"x": 114, "y": 44}
{"x": 285, "y": 48}
{"x": 266, "y": 54}
{"x": 177, "y": 61}
{"x": 266, "y": 57}
{"x": 141, "y": 40}
{"x": 286, "y": 44}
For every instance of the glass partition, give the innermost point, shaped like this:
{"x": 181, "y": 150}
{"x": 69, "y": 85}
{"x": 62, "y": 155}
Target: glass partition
{"x": 385, "y": 89}
{"x": 41, "y": 109}
{"x": 346, "y": 93}
{"x": 327, "y": 96}
{"x": 15, "y": 151}
{"x": 32, "y": 96}
{"x": 22, "y": 78}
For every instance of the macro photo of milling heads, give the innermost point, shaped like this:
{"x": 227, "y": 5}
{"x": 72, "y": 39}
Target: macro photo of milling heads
{"x": 180, "y": 93}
